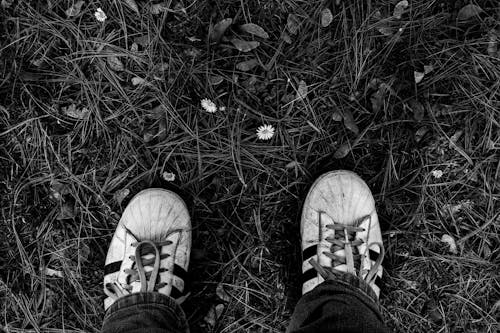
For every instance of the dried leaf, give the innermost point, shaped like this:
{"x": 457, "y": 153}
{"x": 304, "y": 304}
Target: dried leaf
{"x": 254, "y": 29}
{"x": 74, "y": 112}
{"x": 143, "y": 41}
{"x": 428, "y": 69}
{"x": 75, "y": 9}
{"x": 213, "y": 314}
{"x": 6, "y": 3}
{"x": 493, "y": 43}
{"x": 149, "y": 135}
{"x": 417, "y": 109}
{"x": 349, "y": 122}
{"x": 377, "y": 100}
{"x": 292, "y": 164}
{"x": 67, "y": 211}
{"x": 57, "y": 190}
{"x": 386, "y": 30}
{"x": 418, "y": 76}
{"x": 134, "y": 47}
{"x": 120, "y": 195}
{"x": 399, "y": 9}
{"x": 469, "y": 11}
{"x": 215, "y": 79}
{"x": 132, "y": 5}
{"x": 162, "y": 130}
{"x": 221, "y": 293}
{"x": 159, "y": 8}
{"x": 451, "y": 243}
{"x": 244, "y": 45}
{"x": 286, "y": 37}
{"x": 326, "y": 17}
{"x": 342, "y": 151}
{"x": 52, "y": 272}
{"x": 337, "y": 116}
{"x": 247, "y": 65}
{"x": 421, "y": 133}
{"x": 168, "y": 176}
{"x": 292, "y": 24}
{"x": 137, "y": 81}
{"x": 302, "y": 90}
{"x": 219, "y": 29}
{"x": 115, "y": 63}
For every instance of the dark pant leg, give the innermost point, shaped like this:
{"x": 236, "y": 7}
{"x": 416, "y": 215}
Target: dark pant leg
{"x": 145, "y": 312}
{"x": 337, "y": 306}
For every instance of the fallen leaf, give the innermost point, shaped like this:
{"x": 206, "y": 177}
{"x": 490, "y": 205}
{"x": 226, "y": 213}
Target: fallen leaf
{"x": 247, "y": 65}
{"x": 132, "y": 5}
{"x": 292, "y": 164}
{"x": 219, "y": 29}
{"x": 168, "y": 176}
{"x": 162, "y": 130}
{"x": 221, "y": 293}
{"x": 52, "y": 272}
{"x": 120, "y": 195}
{"x": 493, "y": 43}
{"x": 215, "y": 79}
{"x": 428, "y": 69}
{"x": 342, "y": 151}
{"x": 193, "y": 39}
{"x": 386, "y": 30}
{"x": 254, "y": 29}
{"x": 143, "y": 41}
{"x": 418, "y": 76}
{"x": 292, "y": 24}
{"x": 377, "y": 100}
{"x": 302, "y": 90}
{"x": 159, "y": 8}
{"x": 66, "y": 212}
{"x": 326, "y": 17}
{"x": 469, "y": 11}
{"x": 432, "y": 310}
{"x": 115, "y": 63}
{"x": 349, "y": 122}
{"x": 244, "y": 45}
{"x": 337, "y": 116}
{"x": 421, "y": 133}
{"x": 213, "y": 314}
{"x": 286, "y": 37}
{"x": 137, "y": 81}
{"x": 417, "y": 109}
{"x": 451, "y": 243}
{"x": 74, "y": 112}
{"x": 75, "y": 9}
{"x": 149, "y": 135}
{"x": 6, "y": 3}
{"x": 134, "y": 47}
{"x": 58, "y": 189}
{"x": 399, "y": 9}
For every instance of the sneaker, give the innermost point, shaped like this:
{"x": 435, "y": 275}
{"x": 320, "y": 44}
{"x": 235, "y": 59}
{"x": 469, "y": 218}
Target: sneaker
{"x": 150, "y": 249}
{"x": 340, "y": 231}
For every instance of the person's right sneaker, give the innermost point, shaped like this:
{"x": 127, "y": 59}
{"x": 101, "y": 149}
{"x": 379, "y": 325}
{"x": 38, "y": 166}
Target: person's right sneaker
{"x": 340, "y": 231}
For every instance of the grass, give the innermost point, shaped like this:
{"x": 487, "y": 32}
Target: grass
{"x": 61, "y": 177}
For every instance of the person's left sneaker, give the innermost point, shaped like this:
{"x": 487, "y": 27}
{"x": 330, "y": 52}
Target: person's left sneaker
{"x": 150, "y": 249}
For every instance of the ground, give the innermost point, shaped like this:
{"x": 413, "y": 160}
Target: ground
{"x": 92, "y": 112}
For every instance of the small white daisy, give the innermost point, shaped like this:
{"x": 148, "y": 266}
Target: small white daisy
{"x": 100, "y": 15}
{"x": 168, "y": 176}
{"x": 265, "y": 132}
{"x": 222, "y": 108}
{"x": 208, "y": 105}
{"x": 437, "y": 173}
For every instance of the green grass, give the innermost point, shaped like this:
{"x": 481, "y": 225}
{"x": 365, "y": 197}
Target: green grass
{"x": 245, "y": 195}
